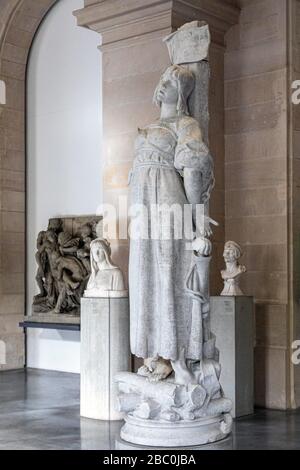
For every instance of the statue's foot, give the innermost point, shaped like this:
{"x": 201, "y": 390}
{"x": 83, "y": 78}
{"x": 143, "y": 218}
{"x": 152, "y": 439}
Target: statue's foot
{"x": 144, "y": 371}
{"x": 155, "y": 369}
{"x": 74, "y": 285}
{"x": 39, "y": 296}
{"x": 155, "y": 377}
{"x": 161, "y": 371}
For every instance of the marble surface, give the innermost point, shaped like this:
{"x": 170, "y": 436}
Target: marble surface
{"x": 104, "y": 352}
{"x": 40, "y": 410}
{"x": 232, "y": 321}
{"x": 106, "y": 279}
{"x": 178, "y": 384}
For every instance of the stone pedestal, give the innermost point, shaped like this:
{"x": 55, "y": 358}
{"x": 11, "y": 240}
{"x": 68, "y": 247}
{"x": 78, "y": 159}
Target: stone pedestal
{"x": 232, "y": 321}
{"x": 193, "y": 433}
{"x": 105, "y": 351}
{"x": 224, "y": 444}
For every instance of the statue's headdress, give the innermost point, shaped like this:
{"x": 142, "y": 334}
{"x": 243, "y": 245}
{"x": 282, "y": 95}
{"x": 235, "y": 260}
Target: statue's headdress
{"x": 236, "y": 247}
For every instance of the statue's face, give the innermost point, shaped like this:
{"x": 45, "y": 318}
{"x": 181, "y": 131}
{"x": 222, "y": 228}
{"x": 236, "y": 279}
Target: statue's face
{"x": 41, "y": 237}
{"x": 55, "y": 224}
{"x": 51, "y": 237}
{"x": 167, "y": 91}
{"x": 229, "y": 254}
{"x": 85, "y": 231}
{"x": 99, "y": 255}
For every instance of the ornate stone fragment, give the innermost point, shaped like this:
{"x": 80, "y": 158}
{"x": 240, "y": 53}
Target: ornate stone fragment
{"x": 63, "y": 260}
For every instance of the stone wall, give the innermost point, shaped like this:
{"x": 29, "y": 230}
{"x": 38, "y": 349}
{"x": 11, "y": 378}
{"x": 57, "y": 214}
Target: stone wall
{"x": 256, "y": 175}
{"x": 294, "y": 187}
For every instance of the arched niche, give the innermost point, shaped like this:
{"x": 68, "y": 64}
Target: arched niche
{"x": 19, "y": 21}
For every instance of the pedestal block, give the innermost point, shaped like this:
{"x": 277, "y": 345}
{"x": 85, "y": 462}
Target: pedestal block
{"x": 105, "y": 351}
{"x": 232, "y": 321}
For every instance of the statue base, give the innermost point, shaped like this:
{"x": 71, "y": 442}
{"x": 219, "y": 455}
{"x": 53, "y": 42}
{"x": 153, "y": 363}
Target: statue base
{"x": 170, "y": 414}
{"x": 180, "y": 434}
{"x": 224, "y": 444}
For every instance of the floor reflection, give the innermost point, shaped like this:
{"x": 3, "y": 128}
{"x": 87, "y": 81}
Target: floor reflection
{"x": 40, "y": 410}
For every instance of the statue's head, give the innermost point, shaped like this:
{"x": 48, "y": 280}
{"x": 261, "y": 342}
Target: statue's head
{"x": 85, "y": 231}
{"x": 41, "y": 237}
{"x": 100, "y": 250}
{"x": 55, "y": 225}
{"x": 175, "y": 86}
{"x": 51, "y": 236}
{"x": 232, "y": 252}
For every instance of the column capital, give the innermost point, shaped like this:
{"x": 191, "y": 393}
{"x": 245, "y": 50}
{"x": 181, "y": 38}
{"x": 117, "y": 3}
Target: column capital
{"x": 125, "y": 20}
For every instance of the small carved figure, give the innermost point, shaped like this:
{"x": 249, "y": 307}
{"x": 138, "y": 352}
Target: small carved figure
{"x": 67, "y": 244}
{"x": 86, "y": 234}
{"x": 55, "y": 225}
{"x": 41, "y": 260}
{"x": 69, "y": 274}
{"x": 231, "y": 275}
{"x": 106, "y": 278}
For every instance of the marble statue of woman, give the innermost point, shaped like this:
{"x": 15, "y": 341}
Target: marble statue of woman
{"x": 106, "y": 279}
{"x": 172, "y": 166}
{"x": 231, "y": 275}
{"x": 176, "y": 397}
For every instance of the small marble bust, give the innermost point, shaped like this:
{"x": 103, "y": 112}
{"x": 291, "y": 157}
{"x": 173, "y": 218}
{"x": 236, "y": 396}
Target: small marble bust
{"x": 231, "y": 275}
{"x": 106, "y": 279}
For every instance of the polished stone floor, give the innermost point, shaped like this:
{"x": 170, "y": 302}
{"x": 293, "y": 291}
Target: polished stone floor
{"x": 40, "y": 410}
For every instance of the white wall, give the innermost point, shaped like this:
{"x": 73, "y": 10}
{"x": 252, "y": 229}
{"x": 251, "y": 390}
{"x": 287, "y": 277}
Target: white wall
{"x": 63, "y": 151}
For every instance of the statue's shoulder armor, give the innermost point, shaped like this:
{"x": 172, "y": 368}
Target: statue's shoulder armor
{"x": 187, "y": 121}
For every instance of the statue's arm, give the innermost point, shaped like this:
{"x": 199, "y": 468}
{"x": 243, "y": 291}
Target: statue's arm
{"x": 60, "y": 268}
{"x": 193, "y": 190}
{"x": 197, "y": 194}
{"x": 69, "y": 251}
{"x": 193, "y": 160}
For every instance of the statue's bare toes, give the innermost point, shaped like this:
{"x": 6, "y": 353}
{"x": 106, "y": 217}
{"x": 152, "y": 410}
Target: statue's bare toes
{"x": 144, "y": 371}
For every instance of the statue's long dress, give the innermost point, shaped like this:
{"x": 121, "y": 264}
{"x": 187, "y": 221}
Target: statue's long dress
{"x": 161, "y": 310}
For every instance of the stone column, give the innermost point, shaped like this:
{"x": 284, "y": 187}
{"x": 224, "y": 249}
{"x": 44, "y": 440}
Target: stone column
{"x": 134, "y": 57}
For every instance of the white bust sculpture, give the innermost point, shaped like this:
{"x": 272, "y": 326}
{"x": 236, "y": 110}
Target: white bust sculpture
{"x": 106, "y": 279}
{"x": 231, "y": 275}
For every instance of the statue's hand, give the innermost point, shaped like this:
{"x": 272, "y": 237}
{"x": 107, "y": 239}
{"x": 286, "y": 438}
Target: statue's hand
{"x": 202, "y": 246}
{"x": 205, "y": 230}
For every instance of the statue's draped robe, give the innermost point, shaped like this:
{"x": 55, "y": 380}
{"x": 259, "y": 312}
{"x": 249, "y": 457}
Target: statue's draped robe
{"x": 161, "y": 308}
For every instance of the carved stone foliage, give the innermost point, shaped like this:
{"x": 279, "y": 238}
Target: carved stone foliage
{"x": 63, "y": 260}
